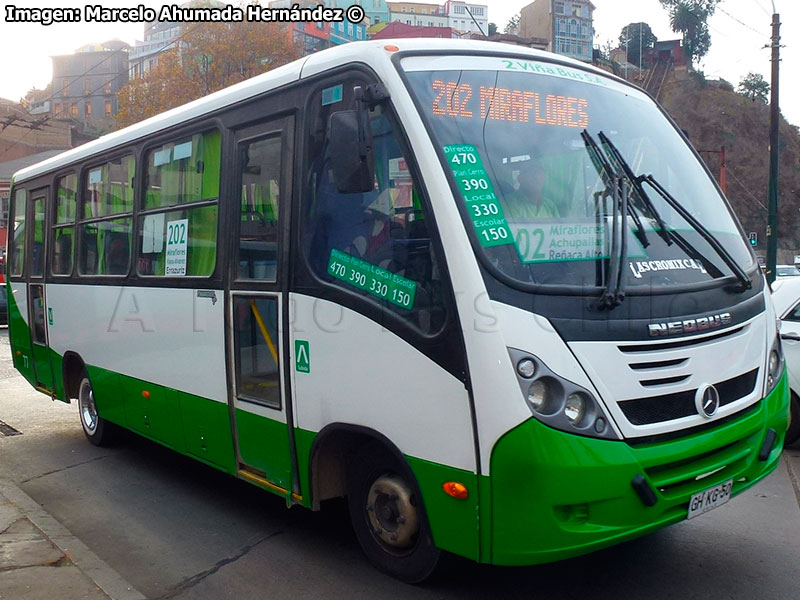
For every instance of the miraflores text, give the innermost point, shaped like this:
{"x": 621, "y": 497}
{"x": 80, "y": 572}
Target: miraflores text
{"x": 174, "y": 13}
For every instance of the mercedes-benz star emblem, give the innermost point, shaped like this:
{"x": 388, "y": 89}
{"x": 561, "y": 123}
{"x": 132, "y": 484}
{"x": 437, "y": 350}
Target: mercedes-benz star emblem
{"x": 707, "y": 400}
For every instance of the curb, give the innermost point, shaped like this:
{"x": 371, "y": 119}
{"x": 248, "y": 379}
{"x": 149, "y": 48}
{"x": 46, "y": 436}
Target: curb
{"x": 91, "y": 565}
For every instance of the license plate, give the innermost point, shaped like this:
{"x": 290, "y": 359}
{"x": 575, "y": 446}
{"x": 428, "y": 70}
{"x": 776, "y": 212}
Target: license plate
{"x": 704, "y": 501}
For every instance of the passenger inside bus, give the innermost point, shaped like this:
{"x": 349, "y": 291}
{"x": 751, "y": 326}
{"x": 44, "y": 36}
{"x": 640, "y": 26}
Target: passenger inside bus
{"x": 530, "y": 200}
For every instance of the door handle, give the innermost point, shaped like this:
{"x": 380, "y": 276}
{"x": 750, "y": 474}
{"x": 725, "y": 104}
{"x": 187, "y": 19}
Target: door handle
{"x": 791, "y": 336}
{"x": 212, "y": 295}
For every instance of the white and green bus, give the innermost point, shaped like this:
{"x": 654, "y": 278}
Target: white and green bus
{"x": 489, "y": 295}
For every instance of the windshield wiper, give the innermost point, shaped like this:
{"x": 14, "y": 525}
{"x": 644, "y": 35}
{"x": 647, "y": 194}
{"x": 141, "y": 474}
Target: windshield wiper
{"x": 616, "y": 187}
{"x": 709, "y": 237}
{"x": 606, "y": 172}
{"x": 622, "y": 164}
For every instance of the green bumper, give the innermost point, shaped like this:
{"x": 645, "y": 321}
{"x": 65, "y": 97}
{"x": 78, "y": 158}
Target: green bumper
{"x": 556, "y": 495}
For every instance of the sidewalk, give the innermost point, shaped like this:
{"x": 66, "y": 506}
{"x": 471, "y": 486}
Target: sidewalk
{"x": 40, "y": 559}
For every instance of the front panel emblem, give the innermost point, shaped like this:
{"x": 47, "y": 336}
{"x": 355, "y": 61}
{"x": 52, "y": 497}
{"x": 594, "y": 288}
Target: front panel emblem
{"x": 707, "y": 400}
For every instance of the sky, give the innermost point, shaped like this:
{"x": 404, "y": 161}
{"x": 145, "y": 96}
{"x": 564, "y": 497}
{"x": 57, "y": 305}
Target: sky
{"x": 740, "y": 30}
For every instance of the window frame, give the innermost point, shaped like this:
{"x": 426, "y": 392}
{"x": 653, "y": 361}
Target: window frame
{"x": 55, "y": 225}
{"x": 80, "y": 221}
{"x": 369, "y": 306}
{"x": 140, "y": 194}
{"x": 11, "y": 254}
{"x": 285, "y": 130}
{"x": 37, "y": 193}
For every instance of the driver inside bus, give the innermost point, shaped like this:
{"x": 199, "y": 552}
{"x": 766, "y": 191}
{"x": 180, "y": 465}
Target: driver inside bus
{"x": 529, "y": 201}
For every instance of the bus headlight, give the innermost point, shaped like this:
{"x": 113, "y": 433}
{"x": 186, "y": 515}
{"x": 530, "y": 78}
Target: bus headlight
{"x": 537, "y": 395}
{"x": 574, "y": 408}
{"x": 774, "y": 365}
{"x": 557, "y": 402}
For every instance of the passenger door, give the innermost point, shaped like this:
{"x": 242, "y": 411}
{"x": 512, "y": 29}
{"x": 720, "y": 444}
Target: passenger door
{"x": 259, "y": 401}
{"x": 37, "y": 308}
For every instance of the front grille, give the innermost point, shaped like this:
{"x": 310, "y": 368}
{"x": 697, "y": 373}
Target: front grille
{"x": 660, "y": 347}
{"x": 668, "y": 407}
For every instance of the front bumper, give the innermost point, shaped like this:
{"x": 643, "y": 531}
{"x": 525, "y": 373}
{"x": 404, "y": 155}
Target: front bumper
{"x": 557, "y": 495}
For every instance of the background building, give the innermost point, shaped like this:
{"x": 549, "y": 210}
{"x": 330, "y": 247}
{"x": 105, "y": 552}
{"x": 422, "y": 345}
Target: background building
{"x": 399, "y": 30}
{"x": 158, "y": 38}
{"x": 465, "y": 16}
{"x": 85, "y": 84}
{"x": 315, "y": 36}
{"x": 566, "y": 24}
{"x": 418, "y": 14}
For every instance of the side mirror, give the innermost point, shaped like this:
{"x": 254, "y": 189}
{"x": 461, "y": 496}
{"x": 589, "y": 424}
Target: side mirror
{"x": 352, "y": 160}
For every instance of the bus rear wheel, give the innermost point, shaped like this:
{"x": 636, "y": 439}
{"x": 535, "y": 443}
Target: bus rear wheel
{"x": 97, "y": 430}
{"x": 388, "y": 517}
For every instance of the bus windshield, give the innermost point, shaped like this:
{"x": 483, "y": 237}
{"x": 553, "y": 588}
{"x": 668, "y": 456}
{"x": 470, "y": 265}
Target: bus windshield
{"x": 532, "y": 147}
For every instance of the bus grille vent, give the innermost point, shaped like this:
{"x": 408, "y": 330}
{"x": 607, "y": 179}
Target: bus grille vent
{"x": 668, "y": 407}
{"x": 661, "y": 346}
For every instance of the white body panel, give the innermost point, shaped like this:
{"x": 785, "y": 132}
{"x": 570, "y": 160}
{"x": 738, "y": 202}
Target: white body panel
{"x": 709, "y": 362}
{"x": 362, "y": 374}
{"x": 169, "y": 337}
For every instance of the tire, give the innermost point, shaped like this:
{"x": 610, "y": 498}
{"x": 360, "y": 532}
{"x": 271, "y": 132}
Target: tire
{"x": 793, "y": 433}
{"x": 97, "y": 430}
{"x": 388, "y": 516}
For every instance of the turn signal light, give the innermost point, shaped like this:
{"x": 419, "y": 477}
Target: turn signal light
{"x": 456, "y": 490}
{"x": 391, "y": 48}
{"x": 146, "y": 394}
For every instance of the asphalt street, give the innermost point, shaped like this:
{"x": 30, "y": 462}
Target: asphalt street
{"x": 177, "y": 529}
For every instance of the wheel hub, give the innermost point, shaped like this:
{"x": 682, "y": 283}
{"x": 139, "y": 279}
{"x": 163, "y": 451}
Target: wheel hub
{"x": 87, "y": 407}
{"x": 392, "y": 514}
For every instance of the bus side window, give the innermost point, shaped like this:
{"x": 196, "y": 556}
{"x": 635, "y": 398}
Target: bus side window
{"x": 178, "y": 229}
{"x": 17, "y": 258}
{"x": 377, "y": 243}
{"x": 37, "y": 251}
{"x": 105, "y": 231}
{"x": 258, "y": 229}
{"x": 64, "y": 225}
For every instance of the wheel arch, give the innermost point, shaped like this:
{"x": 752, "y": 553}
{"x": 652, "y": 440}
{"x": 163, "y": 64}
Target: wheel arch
{"x": 332, "y": 453}
{"x": 71, "y": 368}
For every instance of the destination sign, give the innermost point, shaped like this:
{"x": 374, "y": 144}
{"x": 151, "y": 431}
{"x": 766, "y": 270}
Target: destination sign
{"x": 462, "y": 100}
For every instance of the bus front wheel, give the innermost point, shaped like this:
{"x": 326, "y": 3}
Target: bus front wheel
{"x": 388, "y": 517}
{"x": 98, "y": 431}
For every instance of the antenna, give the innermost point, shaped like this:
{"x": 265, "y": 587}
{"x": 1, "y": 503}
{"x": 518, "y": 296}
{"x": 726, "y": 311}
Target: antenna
{"x": 478, "y": 25}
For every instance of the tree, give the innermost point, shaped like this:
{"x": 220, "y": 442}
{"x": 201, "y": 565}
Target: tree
{"x": 690, "y": 19}
{"x": 513, "y": 24}
{"x": 492, "y": 28}
{"x": 636, "y": 36}
{"x": 755, "y": 87}
{"x": 209, "y": 56}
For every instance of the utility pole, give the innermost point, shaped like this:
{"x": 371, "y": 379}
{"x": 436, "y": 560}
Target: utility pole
{"x": 640, "y": 47}
{"x": 772, "y": 222}
{"x": 723, "y": 169}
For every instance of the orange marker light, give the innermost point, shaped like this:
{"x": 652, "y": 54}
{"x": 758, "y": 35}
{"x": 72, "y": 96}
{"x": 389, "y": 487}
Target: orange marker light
{"x": 146, "y": 394}
{"x": 456, "y": 490}
{"x": 391, "y": 48}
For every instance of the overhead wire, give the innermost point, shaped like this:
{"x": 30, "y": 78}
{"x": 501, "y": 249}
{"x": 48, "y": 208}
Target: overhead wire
{"x": 104, "y": 84}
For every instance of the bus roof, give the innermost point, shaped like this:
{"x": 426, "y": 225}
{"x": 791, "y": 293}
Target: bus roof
{"x": 369, "y": 52}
